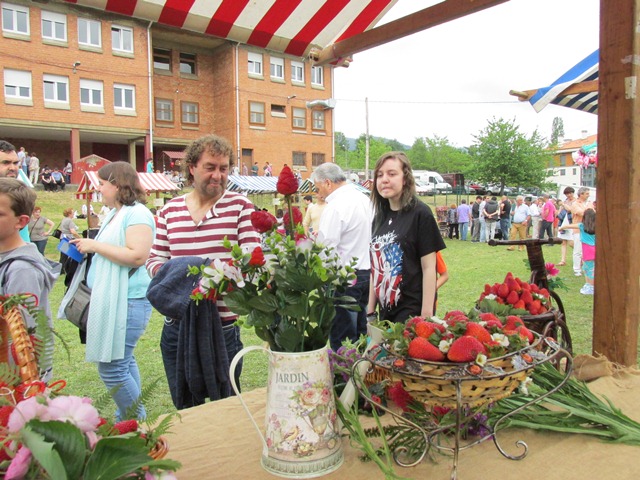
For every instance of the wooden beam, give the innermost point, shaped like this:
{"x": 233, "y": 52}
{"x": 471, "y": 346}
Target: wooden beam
{"x": 617, "y": 298}
{"x": 582, "y": 87}
{"x": 416, "y": 22}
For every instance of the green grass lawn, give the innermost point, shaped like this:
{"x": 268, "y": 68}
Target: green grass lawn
{"x": 470, "y": 265}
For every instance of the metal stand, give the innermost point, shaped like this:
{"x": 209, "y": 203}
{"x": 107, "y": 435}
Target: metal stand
{"x": 553, "y": 352}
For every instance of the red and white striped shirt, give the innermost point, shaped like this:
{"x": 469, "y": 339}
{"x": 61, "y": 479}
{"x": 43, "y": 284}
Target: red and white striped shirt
{"x": 177, "y": 235}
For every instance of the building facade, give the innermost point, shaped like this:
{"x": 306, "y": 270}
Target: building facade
{"x": 563, "y": 170}
{"x": 79, "y": 81}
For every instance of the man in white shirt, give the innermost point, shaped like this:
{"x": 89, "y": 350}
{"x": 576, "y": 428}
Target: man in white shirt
{"x": 345, "y": 224}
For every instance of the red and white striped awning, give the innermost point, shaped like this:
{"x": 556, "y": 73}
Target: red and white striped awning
{"x": 151, "y": 182}
{"x": 289, "y": 26}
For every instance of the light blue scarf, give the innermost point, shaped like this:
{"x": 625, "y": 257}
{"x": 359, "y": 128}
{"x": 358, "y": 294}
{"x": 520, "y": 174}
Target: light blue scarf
{"x": 107, "y": 324}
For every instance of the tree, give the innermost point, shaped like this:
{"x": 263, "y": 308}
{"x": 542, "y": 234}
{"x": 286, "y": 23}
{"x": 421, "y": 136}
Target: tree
{"x": 557, "y": 130}
{"x": 443, "y": 157}
{"x": 418, "y": 154}
{"x": 504, "y": 155}
{"x": 341, "y": 147}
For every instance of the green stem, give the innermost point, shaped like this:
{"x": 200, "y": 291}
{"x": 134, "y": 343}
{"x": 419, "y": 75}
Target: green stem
{"x": 287, "y": 198}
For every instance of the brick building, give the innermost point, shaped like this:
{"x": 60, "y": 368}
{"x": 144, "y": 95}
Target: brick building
{"x": 71, "y": 89}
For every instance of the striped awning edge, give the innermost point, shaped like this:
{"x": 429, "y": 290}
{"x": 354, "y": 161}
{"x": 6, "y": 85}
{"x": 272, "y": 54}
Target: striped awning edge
{"x": 151, "y": 183}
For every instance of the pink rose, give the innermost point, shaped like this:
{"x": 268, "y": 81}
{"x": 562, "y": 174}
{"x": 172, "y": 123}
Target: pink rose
{"x": 19, "y": 466}
{"x": 75, "y": 410}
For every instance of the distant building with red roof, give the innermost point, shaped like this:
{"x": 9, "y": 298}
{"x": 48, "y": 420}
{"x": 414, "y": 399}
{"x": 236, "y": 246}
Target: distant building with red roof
{"x": 563, "y": 170}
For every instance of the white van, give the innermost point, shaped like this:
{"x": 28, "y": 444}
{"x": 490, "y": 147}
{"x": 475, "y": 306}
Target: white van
{"x": 434, "y": 179}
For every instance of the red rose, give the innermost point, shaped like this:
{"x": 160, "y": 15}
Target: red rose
{"x": 297, "y": 217}
{"x": 257, "y": 257}
{"x": 287, "y": 182}
{"x": 263, "y": 221}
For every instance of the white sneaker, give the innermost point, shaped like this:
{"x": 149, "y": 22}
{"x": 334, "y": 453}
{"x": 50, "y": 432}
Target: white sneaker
{"x": 577, "y": 274}
{"x": 587, "y": 289}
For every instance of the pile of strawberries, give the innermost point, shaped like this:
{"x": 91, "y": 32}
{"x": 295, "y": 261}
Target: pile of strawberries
{"x": 458, "y": 339}
{"x": 520, "y": 295}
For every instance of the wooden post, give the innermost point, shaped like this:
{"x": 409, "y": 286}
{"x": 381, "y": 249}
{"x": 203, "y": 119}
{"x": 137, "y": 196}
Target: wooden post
{"x": 617, "y": 299}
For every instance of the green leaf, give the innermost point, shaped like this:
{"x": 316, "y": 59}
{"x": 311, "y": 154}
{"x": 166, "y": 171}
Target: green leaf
{"x": 257, "y": 318}
{"x": 238, "y": 302}
{"x": 265, "y": 302}
{"x": 288, "y": 337}
{"x": 68, "y": 442}
{"x": 44, "y": 453}
{"x": 115, "y": 457}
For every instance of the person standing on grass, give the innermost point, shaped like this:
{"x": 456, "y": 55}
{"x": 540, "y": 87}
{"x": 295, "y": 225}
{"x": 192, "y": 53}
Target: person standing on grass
{"x": 196, "y": 224}
{"x": 119, "y": 311}
{"x": 576, "y": 206}
{"x": 587, "y": 230}
{"x": 452, "y": 221}
{"x": 464, "y": 213}
{"x": 475, "y": 219}
{"x": 520, "y": 221}
{"x": 34, "y": 169}
{"x": 548, "y": 214}
{"x": 404, "y": 244}
{"x": 345, "y": 224}
{"x": 22, "y": 268}
{"x": 505, "y": 217}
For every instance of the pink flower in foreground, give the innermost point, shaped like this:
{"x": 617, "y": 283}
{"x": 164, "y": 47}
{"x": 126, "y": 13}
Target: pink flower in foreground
{"x": 19, "y": 466}
{"x": 75, "y": 410}
{"x": 160, "y": 476}
{"x": 25, "y": 411}
{"x": 552, "y": 271}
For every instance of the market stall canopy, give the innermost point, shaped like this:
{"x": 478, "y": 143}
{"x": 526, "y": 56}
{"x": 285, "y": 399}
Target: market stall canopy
{"x": 577, "y": 88}
{"x": 254, "y": 185}
{"x": 289, "y": 26}
{"x": 151, "y": 183}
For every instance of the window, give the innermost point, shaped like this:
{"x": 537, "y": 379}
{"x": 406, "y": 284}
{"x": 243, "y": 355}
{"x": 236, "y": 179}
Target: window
{"x": 17, "y": 84}
{"x": 297, "y": 72}
{"x": 277, "y": 68}
{"x": 162, "y": 59}
{"x": 190, "y": 113}
{"x": 317, "y": 159}
{"x": 124, "y": 96}
{"x": 15, "y": 19}
{"x": 89, "y": 33}
{"x": 255, "y": 63}
{"x": 278, "y": 110}
{"x": 164, "y": 110}
{"x": 299, "y": 159}
{"x": 91, "y": 93}
{"x": 56, "y": 88}
{"x": 121, "y": 39}
{"x": 574, "y": 172}
{"x": 54, "y": 26}
{"x": 317, "y": 76}
{"x": 188, "y": 63}
{"x": 318, "y": 119}
{"x": 563, "y": 160}
{"x": 256, "y": 113}
{"x": 299, "y": 117}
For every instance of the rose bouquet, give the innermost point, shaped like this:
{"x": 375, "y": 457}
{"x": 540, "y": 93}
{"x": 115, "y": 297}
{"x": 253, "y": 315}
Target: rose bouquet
{"x": 288, "y": 288}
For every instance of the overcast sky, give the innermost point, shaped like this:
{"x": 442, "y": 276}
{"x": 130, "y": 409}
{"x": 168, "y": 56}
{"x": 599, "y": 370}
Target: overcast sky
{"x": 451, "y": 79}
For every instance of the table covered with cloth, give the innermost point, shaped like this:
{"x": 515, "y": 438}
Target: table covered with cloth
{"x": 217, "y": 440}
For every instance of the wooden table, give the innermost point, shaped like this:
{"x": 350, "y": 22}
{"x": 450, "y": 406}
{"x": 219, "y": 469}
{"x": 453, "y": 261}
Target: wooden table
{"x": 217, "y": 440}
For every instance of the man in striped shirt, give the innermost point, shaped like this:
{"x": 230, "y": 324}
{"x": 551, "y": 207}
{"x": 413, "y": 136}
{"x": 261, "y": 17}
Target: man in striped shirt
{"x": 196, "y": 224}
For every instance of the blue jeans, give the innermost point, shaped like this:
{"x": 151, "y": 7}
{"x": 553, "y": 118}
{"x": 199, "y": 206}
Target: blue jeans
{"x": 347, "y": 323}
{"x": 464, "y": 229}
{"x": 122, "y": 376}
{"x": 505, "y": 226}
{"x": 169, "y": 349}
{"x": 40, "y": 244}
{"x": 483, "y": 230}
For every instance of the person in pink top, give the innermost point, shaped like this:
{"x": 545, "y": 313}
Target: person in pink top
{"x": 548, "y": 214}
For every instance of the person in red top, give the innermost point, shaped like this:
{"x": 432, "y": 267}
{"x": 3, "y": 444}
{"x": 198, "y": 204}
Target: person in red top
{"x": 548, "y": 214}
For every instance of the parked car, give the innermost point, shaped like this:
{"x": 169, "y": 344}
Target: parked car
{"x": 424, "y": 188}
{"x": 477, "y": 188}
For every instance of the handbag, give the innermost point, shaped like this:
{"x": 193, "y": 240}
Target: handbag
{"x": 57, "y": 233}
{"x": 76, "y": 309}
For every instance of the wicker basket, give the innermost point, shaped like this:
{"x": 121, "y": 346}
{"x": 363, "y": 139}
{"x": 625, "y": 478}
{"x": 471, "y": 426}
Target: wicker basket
{"x": 160, "y": 449}
{"x": 437, "y": 383}
{"x": 12, "y": 327}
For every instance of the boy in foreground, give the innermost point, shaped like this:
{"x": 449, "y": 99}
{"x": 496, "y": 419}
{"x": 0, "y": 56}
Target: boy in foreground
{"x": 22, "y": 268}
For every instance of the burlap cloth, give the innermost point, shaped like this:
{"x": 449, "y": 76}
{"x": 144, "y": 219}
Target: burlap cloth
{"x": 218, "y": 441}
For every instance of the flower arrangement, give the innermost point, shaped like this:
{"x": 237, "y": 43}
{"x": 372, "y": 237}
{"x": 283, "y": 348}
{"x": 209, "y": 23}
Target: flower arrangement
{"x": 514, "y": 297}
{"x": 586, "y": 156}
{"x": 288, "y": 288}
{"x": 44, "y": 434}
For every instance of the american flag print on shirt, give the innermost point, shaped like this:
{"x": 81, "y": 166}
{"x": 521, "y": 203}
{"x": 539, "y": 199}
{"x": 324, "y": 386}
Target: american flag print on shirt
{"x": 386, "y": 266}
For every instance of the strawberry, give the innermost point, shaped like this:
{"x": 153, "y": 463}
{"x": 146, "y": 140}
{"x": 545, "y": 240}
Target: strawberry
{"x": 543, "y": 309}
{"x": 5, "y": 412}
{"x": 503, "y": 290}
{"x": 454, "y": 313}
{"x": 544, "y": 292}
{"x": 425, "y": 329}
{"x": 487, "y": 289}
{"x": 508, "y": 276}
{"x": 525, "y": 286}
{"x": 526, "y": 297}
{"x": 513, "y": 322}
{"x": 494, "y": 288}
{"x": 513, "y": 297}
{"x": 126, "y": 426}
{"x": 534, "y": 308}
{"x": 486, "y": 317}
{"x": 465, "y": 349}
{"x": 525, "y": 332}
{"x": 478, "y": 331}
{"x": 519, "y": 305}
{"x": 420, "y": 348}
{"x": 514, "y": 286}
{"x": 493, "y": 324}
{"x": 534, "y": 288}
{"x": 414, "y": 321}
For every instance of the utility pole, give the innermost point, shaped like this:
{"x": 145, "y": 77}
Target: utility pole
{"x": 366, "y": 139}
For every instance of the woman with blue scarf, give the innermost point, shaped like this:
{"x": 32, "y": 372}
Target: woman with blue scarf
{"x": 119, "y": 311}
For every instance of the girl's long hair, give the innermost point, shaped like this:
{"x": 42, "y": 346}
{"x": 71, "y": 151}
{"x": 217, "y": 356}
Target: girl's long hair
{"x": 124, "y": 176}
{"x": 408, "y": 198}
{"x": 589, "y": 221}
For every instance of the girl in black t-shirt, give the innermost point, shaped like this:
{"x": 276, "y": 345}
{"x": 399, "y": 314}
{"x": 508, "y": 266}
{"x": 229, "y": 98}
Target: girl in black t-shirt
{"x": 404, "y": 243}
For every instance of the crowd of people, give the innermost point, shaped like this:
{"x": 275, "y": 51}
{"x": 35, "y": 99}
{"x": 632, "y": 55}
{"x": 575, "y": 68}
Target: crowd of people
{"x": 52, "y": 180}
{"x": 393, "y": 238}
